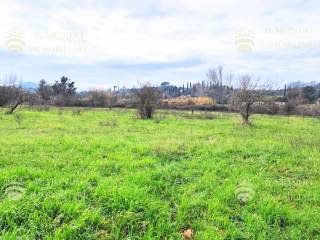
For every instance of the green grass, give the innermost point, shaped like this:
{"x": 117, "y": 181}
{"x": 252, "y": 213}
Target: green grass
{"x": 104, "y": 174}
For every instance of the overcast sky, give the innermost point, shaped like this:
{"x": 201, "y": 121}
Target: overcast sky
{"x": 102, "y": 43}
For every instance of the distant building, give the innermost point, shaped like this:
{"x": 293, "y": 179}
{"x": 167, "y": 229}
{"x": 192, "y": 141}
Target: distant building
{"x": 281, "y": 103}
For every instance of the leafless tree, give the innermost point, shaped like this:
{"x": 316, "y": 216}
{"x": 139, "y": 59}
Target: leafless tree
{"x": 147, "y": 98}
{"x": 98, "y": 98}
{"x": 6, "y": 95}
{"x": 249, "y": 92}
{"x": 220, "y": 72}
{"x": 19, "y": 97}
{"x": 13, "y": 96}
{"x": 229, "y": 80}
{"x": 213, "y": 77}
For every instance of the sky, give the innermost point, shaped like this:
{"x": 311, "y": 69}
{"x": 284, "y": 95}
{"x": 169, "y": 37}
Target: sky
{"x": 104, "y": 43}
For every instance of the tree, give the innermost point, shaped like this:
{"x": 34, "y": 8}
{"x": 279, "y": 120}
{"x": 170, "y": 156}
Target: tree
{"x": 295, "y": 94}
{"x": 215, "y": 76}
{"x": 147, "y": 98}
{"x": 220, "y": 73}
{"x": 45, "y": 91}
{"x": 248, "y": 93}
{"x": 18, "y": 98}
{"x": 101, "y": 99}
{"x": 64, "y": 87}
{"x": 310, "y": 94}
{"x": 6, "y": 95}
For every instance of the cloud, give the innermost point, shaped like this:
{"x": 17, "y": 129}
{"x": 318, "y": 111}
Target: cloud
{"x": 162, "y": 40}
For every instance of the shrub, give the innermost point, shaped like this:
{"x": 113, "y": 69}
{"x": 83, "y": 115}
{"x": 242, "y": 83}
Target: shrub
{"x": 147, "y": 98}
{"x": 268, "y": 107}
{"x": 101, "y": 99}
{"x": 76, "y": 112}
{"x": 18, "y": 118}
{"x": 7, "y": 94}
{"x": 290, "y": 108}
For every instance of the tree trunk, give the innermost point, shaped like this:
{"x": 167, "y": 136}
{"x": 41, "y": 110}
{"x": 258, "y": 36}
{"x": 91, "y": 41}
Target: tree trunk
{"x": 14, "y": 107}
{"x": 246, "y": 114}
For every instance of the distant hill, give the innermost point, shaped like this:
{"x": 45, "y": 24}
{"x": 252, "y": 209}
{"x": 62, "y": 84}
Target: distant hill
{"x": 31, "y": 86}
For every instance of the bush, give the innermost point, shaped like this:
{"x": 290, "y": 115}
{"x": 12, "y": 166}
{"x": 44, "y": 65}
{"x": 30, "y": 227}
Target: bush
{"x": 147, "y": 98}
{"x": 7, "y": 95}
{"x": 76, "y": 112}
{"x": 101, "y": 99}
{"x": 290, "y": 108}
{"x": 269, "y": 107}
{"x": 308, "y": 110}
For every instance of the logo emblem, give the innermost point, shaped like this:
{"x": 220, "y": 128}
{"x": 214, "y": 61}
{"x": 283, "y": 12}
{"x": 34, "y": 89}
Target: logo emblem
{"x": 244, "y": 192}
{"x": 15, "y": 40}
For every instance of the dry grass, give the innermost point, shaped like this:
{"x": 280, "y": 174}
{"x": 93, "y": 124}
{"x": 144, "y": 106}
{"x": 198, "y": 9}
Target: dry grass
{"x": 187, "y": 101}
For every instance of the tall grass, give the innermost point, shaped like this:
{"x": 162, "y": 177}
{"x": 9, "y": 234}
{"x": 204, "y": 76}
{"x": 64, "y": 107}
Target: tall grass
{"x": 107, "y": 175}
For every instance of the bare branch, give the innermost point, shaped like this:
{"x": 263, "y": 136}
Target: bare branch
{"x": 248, "y": 93}
{"x": 147, "y": 97}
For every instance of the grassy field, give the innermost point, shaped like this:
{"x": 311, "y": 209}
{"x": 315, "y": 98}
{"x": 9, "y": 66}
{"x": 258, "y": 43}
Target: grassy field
{"x": 104, "y": 174}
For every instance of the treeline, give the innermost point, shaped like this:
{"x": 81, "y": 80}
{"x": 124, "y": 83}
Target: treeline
{"x": 60, "y": 93}
{"x": 249, "y": 97}
{"x": 305, "y": 95}
{"x": 63, "y": 93}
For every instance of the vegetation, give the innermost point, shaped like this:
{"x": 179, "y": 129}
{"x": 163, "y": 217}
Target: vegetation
{"x": 217, "y": 93}
{"x": 147, "y": 98}
{"x": 246, "y": 96}
{"x": 101, "y": 99}
{"x": 45, "y": 90}
{"x": 188, "y": 101}
{"x": 13, "y": 97}
{"x": 310, "y": 94}
{"x": 64, "y": 87}
{"x": 97, "y": 174}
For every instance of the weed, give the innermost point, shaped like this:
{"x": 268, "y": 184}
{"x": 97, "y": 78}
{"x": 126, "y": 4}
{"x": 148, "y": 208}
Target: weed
{"x": 18, "y": 117}
{"x": 76, "y": 112}
{"x": 109, "y": 123}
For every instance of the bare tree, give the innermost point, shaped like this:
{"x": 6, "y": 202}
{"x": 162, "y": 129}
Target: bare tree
{"x": 213, "y": 77}
{"x": 12, "y": 97}
{"x": 249, "y": 92}
{"x": 6, "y": 95}
{"x": 220, "y": 72}
{"x": 147, "y": 98}
{"x": 97, "y": 98}
{"x": 18, "y": 98}
{"x": 229, "y": 80}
